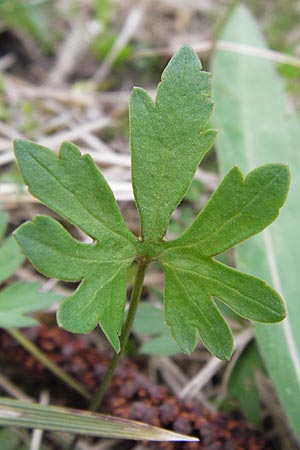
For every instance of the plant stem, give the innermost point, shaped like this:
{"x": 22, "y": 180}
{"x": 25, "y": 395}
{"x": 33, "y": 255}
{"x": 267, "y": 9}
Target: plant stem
{"x": 134, "y": 301}
{"x": 54, "y": 368}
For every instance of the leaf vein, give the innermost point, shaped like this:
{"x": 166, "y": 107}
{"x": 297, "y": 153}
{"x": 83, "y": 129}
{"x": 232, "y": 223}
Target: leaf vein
{"x": 78, "y": 199}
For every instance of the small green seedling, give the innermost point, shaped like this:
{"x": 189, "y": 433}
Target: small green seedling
{"x": 19, "y": 298}
{"x": 149, "y": 322}
{"x": 168, "y": 141}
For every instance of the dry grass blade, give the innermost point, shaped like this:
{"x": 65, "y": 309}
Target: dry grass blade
{"x": 37, "y": 435}
{"x": 132, "y": 22}
{"x": 71, "y": 52}
{"x": 11, "y": 193}
{"x": 207, "y": 46}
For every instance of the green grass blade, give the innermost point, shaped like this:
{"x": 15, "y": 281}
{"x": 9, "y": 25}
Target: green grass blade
{"x": 254, "y": 128}
{"x": 30, "y": 415}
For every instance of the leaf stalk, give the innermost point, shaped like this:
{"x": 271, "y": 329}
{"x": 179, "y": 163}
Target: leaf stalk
{"x": 135, "y": 297}
{"x": 134, "y": 301}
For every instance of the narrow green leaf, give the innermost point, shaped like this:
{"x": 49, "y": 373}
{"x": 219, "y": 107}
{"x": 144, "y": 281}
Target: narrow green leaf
{"x": 14, "y": 320}
{"x": 21, "y": 298}
{"x": 15, "y": 413}
{"x": 149, "y": 320}
{"x": 238, "y": 209}
{"x": 242, "y": 383}
{"x": 101, "y": 296}
{"x": 11, "y": 258}
{"x": 162, "y": 345}
{"x": 168, "y": 140}
{"x": 3, "y": 223}
{"x": 72, "y": 185}
{"x": 255, "y": 128}
{"x": 9, "y": 440}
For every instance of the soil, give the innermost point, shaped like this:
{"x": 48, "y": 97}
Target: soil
{"x": 131, "y": 394}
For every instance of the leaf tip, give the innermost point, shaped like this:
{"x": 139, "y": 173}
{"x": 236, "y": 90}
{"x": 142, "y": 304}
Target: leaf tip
{"x": 140, "y": 95}
{"x": 279, "y": 310}
{"x": 19, "y": 145}
{"x": 67, "y": 150}
{"x": 224, "y": 350}
{"x": 187, "y": 53}
{"x": 112, "y": 337}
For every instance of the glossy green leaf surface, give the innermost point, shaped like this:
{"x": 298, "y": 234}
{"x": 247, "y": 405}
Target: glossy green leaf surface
{"x": 20, "y": 299}
{"x": 168, "y": 140}
{"x": 254, "y": 128}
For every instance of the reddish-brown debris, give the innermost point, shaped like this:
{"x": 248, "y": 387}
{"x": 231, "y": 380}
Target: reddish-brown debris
{"x": 130, "y": 395}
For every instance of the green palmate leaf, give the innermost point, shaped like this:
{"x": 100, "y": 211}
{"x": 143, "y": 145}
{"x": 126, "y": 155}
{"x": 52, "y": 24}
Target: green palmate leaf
{"x": 72, "y": 186}
{"x": 238, "y": 209}
{"x": 189, "y": 309}
{"x": 254, "y": 128}
{"x": 20, "y": 299}
{"x": 191, "y": 280}
{"x": 101, "y": 296}
{"x": 168, "y": 141}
